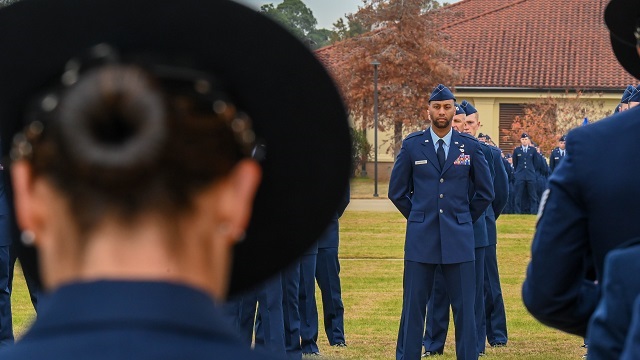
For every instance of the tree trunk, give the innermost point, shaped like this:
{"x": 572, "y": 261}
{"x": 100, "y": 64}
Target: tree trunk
{"x": 397, "y": 138}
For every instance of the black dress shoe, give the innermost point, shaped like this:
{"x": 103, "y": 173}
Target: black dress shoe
{"x": 495, "y": 345}
{"x": 432, "y": 353}
{"x": 341, "y": 344}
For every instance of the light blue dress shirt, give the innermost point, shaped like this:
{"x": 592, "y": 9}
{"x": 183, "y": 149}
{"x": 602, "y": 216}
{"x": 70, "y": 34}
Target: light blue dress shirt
{"x": 446, "y": 139}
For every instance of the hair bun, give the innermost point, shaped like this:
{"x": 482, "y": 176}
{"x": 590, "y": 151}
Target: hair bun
{"x": 113, "y": 118}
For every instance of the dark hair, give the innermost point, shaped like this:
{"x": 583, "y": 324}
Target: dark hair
{"x": 120, "y": 141}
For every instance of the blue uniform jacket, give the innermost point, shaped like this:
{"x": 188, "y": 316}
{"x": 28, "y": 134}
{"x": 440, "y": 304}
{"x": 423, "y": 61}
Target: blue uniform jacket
{"x": 611, "y": 320}
{"x": 555, "y": 158}
{"x": 590, "y": 208}
{"x": 129, "y": 320}
{"x": 331, "y": 236}
{"x": 500, "y": 185}
{"x": 524, "y": 163}
{"x": 436, "y": 201}
{"x": 632, "y": 343}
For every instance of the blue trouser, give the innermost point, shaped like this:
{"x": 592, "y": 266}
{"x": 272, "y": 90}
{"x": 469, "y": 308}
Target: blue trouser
{"x": 308, "y": 309}
{"x": 437, "y": 323}
{"x": 290, "y": 303}
{"x": 269, "y": 328}
{"x": 241, "y": 312}
{"x": 495, "y": 316}
{"x": 328, "y": 277}
{"x": 530, "y": 185}
{"x": 417, "y": 287}
{"x": 6, "y": 328}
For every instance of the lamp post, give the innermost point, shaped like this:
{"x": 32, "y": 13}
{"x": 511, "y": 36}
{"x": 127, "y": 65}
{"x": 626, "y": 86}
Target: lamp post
{"x": 375, "y": 64}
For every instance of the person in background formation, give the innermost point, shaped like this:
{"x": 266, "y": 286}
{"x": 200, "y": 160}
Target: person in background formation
{"x": 494, "y": 323}
{"x": 542, "y": 173}
{"x": 429, "y": 185}
{"x": 328, "y": 277}
{"x": 557, "y": 154}
{"x": 507, "y": 159}
{"x": 525, "y": 158}
{"x": 132, "y": 172}
{"x": 586, "y": 212}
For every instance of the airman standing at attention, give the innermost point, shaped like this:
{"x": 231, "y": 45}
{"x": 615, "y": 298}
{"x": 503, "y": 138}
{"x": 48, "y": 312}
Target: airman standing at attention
{"x": 524, "y": 162}
{"x": 429, "y": 185}
{"x": 557, "y": 154}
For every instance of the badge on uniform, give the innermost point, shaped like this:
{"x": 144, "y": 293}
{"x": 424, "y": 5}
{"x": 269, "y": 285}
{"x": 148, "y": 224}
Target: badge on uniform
{"x": 463, "y": 160}
{"x": 421, "y": 162}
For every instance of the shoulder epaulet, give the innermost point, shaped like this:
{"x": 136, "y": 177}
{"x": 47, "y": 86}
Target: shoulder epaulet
{"x": 414, "y": 134}
{"x": 469, "y": 136}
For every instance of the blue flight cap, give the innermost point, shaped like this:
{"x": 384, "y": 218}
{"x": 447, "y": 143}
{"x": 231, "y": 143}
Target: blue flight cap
{"x": 563, "y": 138}
{"x": 628, "y": 92}
{"x": 524, "y": 135}
{"x": 507, "y": 155}
{"x": 617, "y": 110}
{"x": 468, "y": 108}
{"x": 459, "y": 109}
{"x": 441, "y": 93}
{"x": 635, "y": 97}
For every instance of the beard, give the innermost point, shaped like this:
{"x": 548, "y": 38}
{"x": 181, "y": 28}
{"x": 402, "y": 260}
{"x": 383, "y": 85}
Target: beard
{"x": 441, "y": 123}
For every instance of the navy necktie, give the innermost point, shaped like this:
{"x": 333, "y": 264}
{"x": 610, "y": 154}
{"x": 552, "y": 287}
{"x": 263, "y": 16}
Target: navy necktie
{"x": 440, "y": 153}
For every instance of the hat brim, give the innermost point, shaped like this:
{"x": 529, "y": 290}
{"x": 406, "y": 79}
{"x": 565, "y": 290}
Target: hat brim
{"x": 294, "y": 105}
{"x": 621, "y": 17}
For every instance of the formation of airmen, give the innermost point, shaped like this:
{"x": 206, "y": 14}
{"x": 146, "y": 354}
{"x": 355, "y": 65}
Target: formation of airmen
{"x": 281, "y": 316}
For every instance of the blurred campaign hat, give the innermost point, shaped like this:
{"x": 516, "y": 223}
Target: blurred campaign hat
{"x": 459, "y": 109}
{"x": 621, "y": 17}
{"x": 265, "y": 70}
{"x": 441, "y": 93}
{"x": 468, "y": 108}
{"x": 628, "y": 92}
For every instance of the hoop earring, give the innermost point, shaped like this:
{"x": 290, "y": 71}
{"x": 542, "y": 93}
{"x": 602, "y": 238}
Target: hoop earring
{"x": 28, "y": 237}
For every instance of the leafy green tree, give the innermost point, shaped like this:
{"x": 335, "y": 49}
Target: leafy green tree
{"x": 299, "y": 19}
{"x": 7, "y": 2}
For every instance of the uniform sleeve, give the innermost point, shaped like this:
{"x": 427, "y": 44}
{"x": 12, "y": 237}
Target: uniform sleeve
{"x": 555, "y": 290}
{"x": 552, "y": 161}
{"x": 401, "y": 182}
{"x": 481, "y": 178}
{"x": 514, "y": 159}
{"x": 500, "y": 185}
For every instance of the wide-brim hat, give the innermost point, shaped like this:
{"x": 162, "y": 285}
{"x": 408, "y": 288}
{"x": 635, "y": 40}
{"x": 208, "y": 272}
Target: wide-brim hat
{"x": 293, "y": 103}
{"x": 621, "y": 17}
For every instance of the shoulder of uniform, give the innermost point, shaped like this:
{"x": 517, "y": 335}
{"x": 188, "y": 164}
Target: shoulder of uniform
{"x": 414, "y": 134}
{"x": 467, "y": 136}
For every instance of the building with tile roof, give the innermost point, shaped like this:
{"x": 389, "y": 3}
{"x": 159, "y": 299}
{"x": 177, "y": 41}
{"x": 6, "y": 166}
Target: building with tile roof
{"x": 512, "y": 52}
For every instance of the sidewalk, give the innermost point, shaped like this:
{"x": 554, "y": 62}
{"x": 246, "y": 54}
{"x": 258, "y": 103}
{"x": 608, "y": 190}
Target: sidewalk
{"x": 380, "y": 205}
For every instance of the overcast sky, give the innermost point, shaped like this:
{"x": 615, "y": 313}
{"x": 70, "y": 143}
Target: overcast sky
{"x": 326, "y": 11}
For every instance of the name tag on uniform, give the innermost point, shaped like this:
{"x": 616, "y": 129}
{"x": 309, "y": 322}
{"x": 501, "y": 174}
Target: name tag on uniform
{"x": 557, "y": 158}
{"x": 519, "y": 154}
{"x": 421, "y": 162}
{"x": 463, "y": 160}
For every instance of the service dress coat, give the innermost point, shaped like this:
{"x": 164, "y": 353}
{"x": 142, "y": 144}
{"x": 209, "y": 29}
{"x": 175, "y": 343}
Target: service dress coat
{"x": 589, "y": 209}
{"x": 436, "y": 202}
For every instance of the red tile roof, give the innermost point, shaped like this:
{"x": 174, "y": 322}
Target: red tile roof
{"x": 531, "y": 44}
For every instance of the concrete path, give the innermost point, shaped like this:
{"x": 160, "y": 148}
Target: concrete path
{"x": 371, "y": 205}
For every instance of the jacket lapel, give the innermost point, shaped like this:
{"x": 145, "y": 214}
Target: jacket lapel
{"x": 429, "y": 151}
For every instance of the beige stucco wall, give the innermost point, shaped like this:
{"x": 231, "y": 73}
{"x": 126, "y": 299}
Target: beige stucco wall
{"x": 488, "y": 105}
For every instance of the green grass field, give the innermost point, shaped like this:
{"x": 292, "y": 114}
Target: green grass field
{"x": 371, "y": 259}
